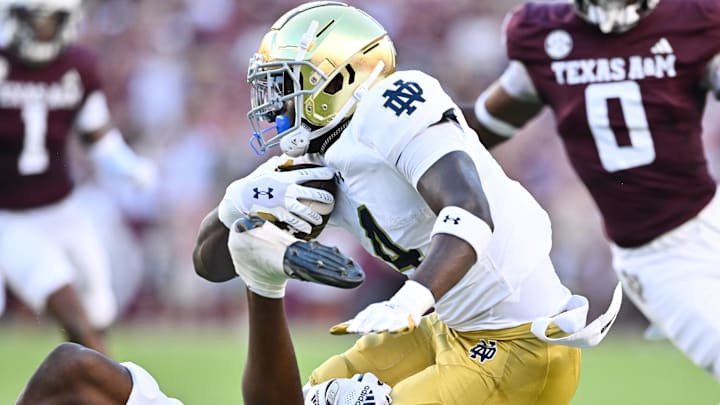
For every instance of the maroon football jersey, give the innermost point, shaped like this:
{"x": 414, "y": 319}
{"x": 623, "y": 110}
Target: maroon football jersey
{"x": 38, "y": 106}
{"x": 628, "y": 107}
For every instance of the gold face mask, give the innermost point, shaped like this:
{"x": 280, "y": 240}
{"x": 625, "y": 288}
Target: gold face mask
{"x": 308, "y": 69}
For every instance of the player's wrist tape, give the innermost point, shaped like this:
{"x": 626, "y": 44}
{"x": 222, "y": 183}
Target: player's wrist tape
{"x": 463, "y": 224}
{"x": 495, "y": 125}
{"x": 415, "y": 297}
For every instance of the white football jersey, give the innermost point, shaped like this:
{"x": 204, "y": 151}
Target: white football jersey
{"x": 513, "y": 282}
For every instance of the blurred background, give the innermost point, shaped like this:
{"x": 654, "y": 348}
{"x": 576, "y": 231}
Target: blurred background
{"x": 174, "y": 73}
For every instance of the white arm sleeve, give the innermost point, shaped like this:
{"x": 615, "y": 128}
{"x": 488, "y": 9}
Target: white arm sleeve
{"x": 427, "y": 148}
{"x": 713, "y": 76}
{"x": 496, "y": 125}
{"x": 94, "y": 114}
{"x": 516, "y": 81}
{"x": 111, "y": 154}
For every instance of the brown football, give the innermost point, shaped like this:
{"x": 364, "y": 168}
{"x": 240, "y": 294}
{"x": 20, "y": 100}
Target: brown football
{"x": 321, "y": 208}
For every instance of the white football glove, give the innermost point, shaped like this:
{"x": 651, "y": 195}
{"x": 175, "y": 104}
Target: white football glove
{"x": 360, "y": 389}
{"x": 257, "y": 256}
{"x": 145, "y": 174}
{"x": 274, "y": 195}
{"x": 401, "y": 313}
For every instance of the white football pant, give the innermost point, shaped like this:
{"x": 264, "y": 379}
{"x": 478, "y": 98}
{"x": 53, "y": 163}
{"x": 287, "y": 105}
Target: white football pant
{"x": 675, "y": 279}
{"x": 44, "y": 249}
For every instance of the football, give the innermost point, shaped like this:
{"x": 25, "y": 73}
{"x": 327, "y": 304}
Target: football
{"x": 323, "y": 209}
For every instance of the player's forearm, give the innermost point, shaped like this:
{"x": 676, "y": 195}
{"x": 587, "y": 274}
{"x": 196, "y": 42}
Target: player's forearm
{"x": 271, "y": 374}
{"x": 453, "y": 189}
{"x": 497, "y": 115}
{"x": 447, "y": 261}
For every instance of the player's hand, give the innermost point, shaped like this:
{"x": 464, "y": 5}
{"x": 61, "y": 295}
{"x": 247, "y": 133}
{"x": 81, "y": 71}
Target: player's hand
{"x": 379, "y": 317}
{"x": 144, "y": 174}
{"x": 257, "y": 248}
{"x": 275, "y": 195}
{"x": 265, "y": 257}
{"x": 402, "y": 313}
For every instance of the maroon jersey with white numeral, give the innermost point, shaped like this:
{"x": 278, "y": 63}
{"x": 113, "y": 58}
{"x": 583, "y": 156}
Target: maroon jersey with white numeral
{"x": 38, "y": 106}
{"x": 628, "y": 107}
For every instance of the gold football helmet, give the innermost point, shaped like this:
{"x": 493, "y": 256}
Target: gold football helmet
{"x": 614, "y": 16}
{"x": 37, "y": 30}
{"x": 309, "y": 72}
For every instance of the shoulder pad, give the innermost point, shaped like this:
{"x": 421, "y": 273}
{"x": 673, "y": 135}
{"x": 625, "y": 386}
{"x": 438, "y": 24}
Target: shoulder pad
{"x": 398, "y": 108}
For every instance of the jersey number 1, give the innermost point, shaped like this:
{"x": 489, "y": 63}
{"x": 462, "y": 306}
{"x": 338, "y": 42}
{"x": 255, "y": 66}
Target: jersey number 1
{"x": 34, "y": 158}
{"x": 613, "y": 156}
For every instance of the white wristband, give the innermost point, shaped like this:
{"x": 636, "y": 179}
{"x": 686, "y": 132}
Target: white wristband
{"x": 415, "y": 297}
{"x": 465, "y": 225}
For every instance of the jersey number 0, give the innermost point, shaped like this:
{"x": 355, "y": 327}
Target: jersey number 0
{"x": 613, "y": 156}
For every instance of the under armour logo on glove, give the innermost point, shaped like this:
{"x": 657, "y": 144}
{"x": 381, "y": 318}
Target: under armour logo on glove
{"x": 484, "y": 350}
{"x": 267, "y": 193}
{"x": 448, "y": 218}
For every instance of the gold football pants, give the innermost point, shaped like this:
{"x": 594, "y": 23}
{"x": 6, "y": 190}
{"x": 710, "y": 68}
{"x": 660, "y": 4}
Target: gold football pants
{"x": 437, "y": 365}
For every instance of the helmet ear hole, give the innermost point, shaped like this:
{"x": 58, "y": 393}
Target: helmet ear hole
{"x": 334, "y": 85}
{"x": 351, "y": 74}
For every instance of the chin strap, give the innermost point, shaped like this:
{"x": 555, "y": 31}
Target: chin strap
{"x": 321, "y": 144}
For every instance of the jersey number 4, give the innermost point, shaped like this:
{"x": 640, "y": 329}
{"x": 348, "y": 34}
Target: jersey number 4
{"x": 613, "y": 156}
{"x": 34, "y": 158}
{"x": 384, "y": 247}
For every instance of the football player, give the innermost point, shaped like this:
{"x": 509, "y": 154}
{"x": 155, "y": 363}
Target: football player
{"x": 418, "y": 190}
{"x": 74, "y": 374}
{"x": 627, "y": 81}
{"x": 50, "y": 89}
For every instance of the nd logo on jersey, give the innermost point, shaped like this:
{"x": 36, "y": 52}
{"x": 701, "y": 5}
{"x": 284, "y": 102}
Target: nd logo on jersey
{"x": 484, "y": 350}
{"x": 401, "y": 99}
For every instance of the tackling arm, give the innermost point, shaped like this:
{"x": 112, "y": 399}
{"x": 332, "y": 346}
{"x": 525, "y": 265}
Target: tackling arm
{"x": 271, "y": 374}
{"x": 107, "y": 147}
{"x": 504, "y": 107}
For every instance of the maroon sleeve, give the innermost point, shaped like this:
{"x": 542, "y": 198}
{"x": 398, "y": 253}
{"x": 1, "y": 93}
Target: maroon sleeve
{"x": 710, "y": 11}
{"x": 527, "y": 26}
{"x": 514, "y": 28}
{"x": 86, "y": 61}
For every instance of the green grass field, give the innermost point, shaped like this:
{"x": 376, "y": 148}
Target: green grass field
{"x": 202, "y": 365}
